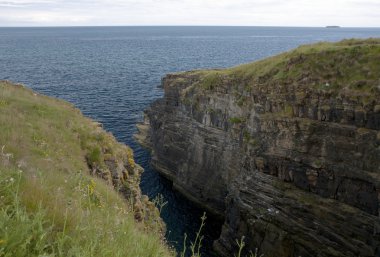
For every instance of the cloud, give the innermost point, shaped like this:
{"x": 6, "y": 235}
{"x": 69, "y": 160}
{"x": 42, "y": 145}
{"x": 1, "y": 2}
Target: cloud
{"x": 24, "y": 3}
{"x": 190, "y": 12}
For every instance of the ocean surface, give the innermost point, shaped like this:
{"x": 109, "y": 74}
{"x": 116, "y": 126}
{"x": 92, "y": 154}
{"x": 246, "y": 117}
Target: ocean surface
{"x": 112, "y": 74}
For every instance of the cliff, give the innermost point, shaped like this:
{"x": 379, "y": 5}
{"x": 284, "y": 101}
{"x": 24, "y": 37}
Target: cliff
{"x": 67, "y": 187}
{"x": 286, "y": 150}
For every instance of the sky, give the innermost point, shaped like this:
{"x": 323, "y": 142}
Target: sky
{"x": 303, "y": 13}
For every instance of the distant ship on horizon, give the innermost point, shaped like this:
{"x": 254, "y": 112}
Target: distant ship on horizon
{"x": 333, "y": 27}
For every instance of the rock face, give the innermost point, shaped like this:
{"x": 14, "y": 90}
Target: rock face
{"x": 287, "y": 149}
{"x": 114, "y": 162}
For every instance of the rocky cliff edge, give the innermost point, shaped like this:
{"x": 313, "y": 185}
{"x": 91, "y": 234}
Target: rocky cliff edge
{"x": 286, "y": 149}
{"x": 67, "y": 187}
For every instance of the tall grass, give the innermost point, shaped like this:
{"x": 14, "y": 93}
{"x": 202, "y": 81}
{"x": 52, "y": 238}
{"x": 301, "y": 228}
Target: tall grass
{"x": 196, "y": 245}
{"x": 81, "y": 227}
{"x": 50, "y": 204}
{"x": 350, "y": 64}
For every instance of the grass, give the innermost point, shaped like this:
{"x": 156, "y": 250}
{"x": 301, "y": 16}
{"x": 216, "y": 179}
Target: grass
{"x": 237, "y": 120}
{"x": 211, "y": 80}
{"x": 351, "y": 64}
{"x": 196, "y": 245}
{"x": 50, "y": 204}
{"x": 241, "y": 244}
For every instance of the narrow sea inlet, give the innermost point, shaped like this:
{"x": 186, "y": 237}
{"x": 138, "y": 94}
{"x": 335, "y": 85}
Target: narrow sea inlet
{"x": 113, "y": 73}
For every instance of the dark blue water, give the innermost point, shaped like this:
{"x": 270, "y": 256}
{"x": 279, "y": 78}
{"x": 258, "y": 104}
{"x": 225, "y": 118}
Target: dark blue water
{"x": 112, "y": 74}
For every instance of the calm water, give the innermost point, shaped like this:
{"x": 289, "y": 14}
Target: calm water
{"x": 112, "y": 74}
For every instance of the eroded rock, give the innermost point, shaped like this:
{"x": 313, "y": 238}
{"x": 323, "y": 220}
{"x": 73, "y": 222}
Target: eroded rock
{"x": 292, "y": 167}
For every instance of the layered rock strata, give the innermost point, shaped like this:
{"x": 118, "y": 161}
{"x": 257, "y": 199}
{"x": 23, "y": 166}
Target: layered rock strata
{"x": 287, "y": 150}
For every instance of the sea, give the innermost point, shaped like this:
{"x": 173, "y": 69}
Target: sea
{"x": 112, "y": 74}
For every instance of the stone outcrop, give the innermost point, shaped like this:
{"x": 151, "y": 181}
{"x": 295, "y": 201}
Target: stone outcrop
{"x": 287, "y": 150}
{"x": 115, "y": 164}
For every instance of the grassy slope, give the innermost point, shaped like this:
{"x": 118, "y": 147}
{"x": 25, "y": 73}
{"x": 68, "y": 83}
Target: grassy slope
{"x": 350, "y": 64}
{"x": 50, "y": 205}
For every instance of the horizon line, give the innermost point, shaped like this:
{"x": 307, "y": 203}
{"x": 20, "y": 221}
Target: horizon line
{"x": 264, "y": 26}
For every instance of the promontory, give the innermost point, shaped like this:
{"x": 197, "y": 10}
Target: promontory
{"x": 286, "y": 150}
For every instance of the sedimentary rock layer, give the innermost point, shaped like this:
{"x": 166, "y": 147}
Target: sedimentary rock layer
{"x": 287, "y": 149}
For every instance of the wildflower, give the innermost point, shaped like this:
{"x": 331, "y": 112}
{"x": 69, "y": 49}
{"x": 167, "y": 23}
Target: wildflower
{"x": 11, "y": 180}
{"x": 2, "y": 241}
{"x": 91, "y": 187}
{"x": 131, "y": 162}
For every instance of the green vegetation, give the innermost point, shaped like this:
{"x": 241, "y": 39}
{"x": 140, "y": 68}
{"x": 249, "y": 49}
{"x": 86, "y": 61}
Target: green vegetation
{"x": 50, "y": 205}
{"x": 317, "y": 163}
{"x": 159, "y": 202}
{"x": 287, "y": 112}
{"x": 241, "y": 244}
{"x": 237, "y": 120}
{"x": 240, "y": 102}
{"x": 352, "y": 64}
{"x": 211, "y": 80}
{"x": 195, "y": 247}
{"x": 247, "y": 138}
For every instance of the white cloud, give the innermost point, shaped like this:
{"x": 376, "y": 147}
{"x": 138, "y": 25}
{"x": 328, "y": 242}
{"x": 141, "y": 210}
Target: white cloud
{"x": 24, "y": 3}
{"x": 190, "y": 12}
{"x": 46, "y": 17}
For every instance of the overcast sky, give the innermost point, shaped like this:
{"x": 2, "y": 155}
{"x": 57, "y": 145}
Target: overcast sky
{"x": 351, "y": 13}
